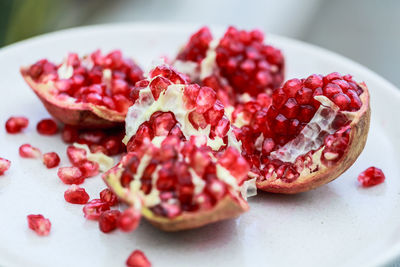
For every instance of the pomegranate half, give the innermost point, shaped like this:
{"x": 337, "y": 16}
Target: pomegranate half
{"x": 89, "y": 92}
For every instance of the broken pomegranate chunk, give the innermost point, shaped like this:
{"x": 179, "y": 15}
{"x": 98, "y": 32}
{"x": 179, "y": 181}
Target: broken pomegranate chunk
{"x": 16, "y": 124}
{"x": 137, "y": 259}
{"x": 108, "y": 220}
{"x": 28, "y": 151}
{"x": 51, "y": 159}
{"x": 371, "y": 176}
{"x": 4, "y": 165}
{"x": 89, "y": 91}
{"x": 39, "y": 224}
{"x": 76, "y": 195}
{"x": 239, "y": 64}
{"x": 47, "y": 127}
{"x": 70, "y": 175}
{"x": 311, "y": 131}
{"x": 94, "y": 208}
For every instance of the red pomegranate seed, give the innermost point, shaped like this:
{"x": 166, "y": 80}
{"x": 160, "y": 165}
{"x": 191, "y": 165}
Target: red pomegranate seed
{"x": 129, "y": 220}
{"x": 51, "y": 159}
{"x": 70, "y": 134}
{"x": 70, "y": 175}
{"x": 47, "y": 127}
{"x": 109, "y": 197}
{"x": 16, "y": 124}
{"x": 76, "y": 195}
{"x": 94, "y": 208}
{"x": 4, "y": 165}
{"x": 76, "y": 155}
{"x": 371, "y": 176}
{"x": 108, "y": 220}
{"x": 137, "y": 259}
{"x": 28, "y": 151}
{"x": 39, "y": 224}
{"x": 88, "y": 168}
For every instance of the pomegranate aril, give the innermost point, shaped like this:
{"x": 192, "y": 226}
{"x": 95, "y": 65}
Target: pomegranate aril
{"x": 76, "y": 195}
{"x": 291, "y": 87}
{"x": 371, "y": 176}
{"x": 342, "y": 101}
{"x": 94, "y": 208}
{"x": 4, "y": 165}
{"x": 108, "y": 220}
{"x": 76, "y": 155}
{"x": 47, "y": 127}
{"x": 314, "y": 81}
{"x": 39, "y": 224}
{"x": 195, "y": 50}
{"x": 332, "y": 89}
{"x": 129, "y": 220}
{"x": 205, "y": 99}
{"x": 158, "y": 85}
{"x": 137, "y": 259}
{"x": 16, "y": 124}
{"x": 51, "y": 159}
{"x": 70, "y": 134}
{"x": 290, "y": 108}
{"x": 70, "y": 175}
{"x": 109, "y": 197}
{"x": 88, "y": 168}
{"x": 28, "y": 151}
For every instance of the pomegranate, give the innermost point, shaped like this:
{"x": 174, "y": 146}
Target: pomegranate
{"x": 4, "y": 165}
{"x": 137, "y": 259}
{"x": 180, "y": 184}
{"x": 371, "y": 176}
{"x": 94, "y": 208}
{"x": 16, "y": 124}
{"x": 76, "y": 195}
{"x": 309, "y": 133}
{"x": 28, "y": 151}
{"x": 71, "y": 175}
{"x": 39, "y": 224}
{"x": 51, "y": 160}
{"x": 47, "y": 127}
{"x": 108, "y": 197}
{"x": 108, "y": 220}
{"x": 129, "y": 220}
{"x": 89, "y": 92}
{"x": 237, "y": 66}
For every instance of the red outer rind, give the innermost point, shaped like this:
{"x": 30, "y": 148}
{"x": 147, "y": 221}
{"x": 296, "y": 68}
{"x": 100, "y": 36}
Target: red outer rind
{"x": 83, "y": 115}
{"x": 227, "y": 208}
{"x": 357, "y": 139}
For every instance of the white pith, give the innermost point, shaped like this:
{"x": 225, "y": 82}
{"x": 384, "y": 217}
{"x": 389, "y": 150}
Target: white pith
{"x": 105, "y": 162}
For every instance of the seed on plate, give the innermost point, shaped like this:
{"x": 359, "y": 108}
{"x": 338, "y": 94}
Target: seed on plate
{"x": 28, "y": 151}
{"x": 51, "y": 159}
{"x": 16, "y": 124}
{"x": 137, "y": 259}
{"x": 39, "y": 224}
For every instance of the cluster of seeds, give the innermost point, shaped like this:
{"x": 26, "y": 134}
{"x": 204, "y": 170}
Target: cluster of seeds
{"x": 104, "y": 80}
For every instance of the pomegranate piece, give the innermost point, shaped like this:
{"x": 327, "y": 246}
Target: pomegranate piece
{"x": 39, "y": 224}
{"x": 137, "y": 259}
{"x": 47, "y": 127}
{"x": 94, "y": 208}
{"x": 70, "y": 175}
{"x": 4, "y": 165}
{"x": 76, "y": 155}
{"x": 239, "y": 63}
{"x": 28, "y": 151}
{"x": 51, "y": 159}
{"x": 76, "y": 195}
{"x": 310, "y": 133}
{"x": 16, "y": 124}
{"x": 129, "y": 220}
{"x": 171, "y": 176}
{"x": 371, "y": 176}
{"x": 91, "y": 91}
{"x": 108, "y": 220}
{"x": 107, "y": 196}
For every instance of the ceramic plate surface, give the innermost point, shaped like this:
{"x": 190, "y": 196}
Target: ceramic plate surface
{"x": 339, "y": 224}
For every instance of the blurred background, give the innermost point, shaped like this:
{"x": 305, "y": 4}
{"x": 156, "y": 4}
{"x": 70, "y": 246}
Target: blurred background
{"x": 366, "y": 31}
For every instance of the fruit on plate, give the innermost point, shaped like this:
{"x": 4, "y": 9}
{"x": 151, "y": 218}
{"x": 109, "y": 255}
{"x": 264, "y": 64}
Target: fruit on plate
{"x": 89, "y": 92}
{"x": 371, "y": 176}
{"x": 39, "y": 224}
{"x": 179, "y": 184}
{"x": 237, "y": 66}
{"x": 182, "y": 170}
{"x": 311, "y": 131}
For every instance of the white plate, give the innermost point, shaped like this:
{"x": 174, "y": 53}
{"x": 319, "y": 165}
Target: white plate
{"x": 339, "y": 224}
